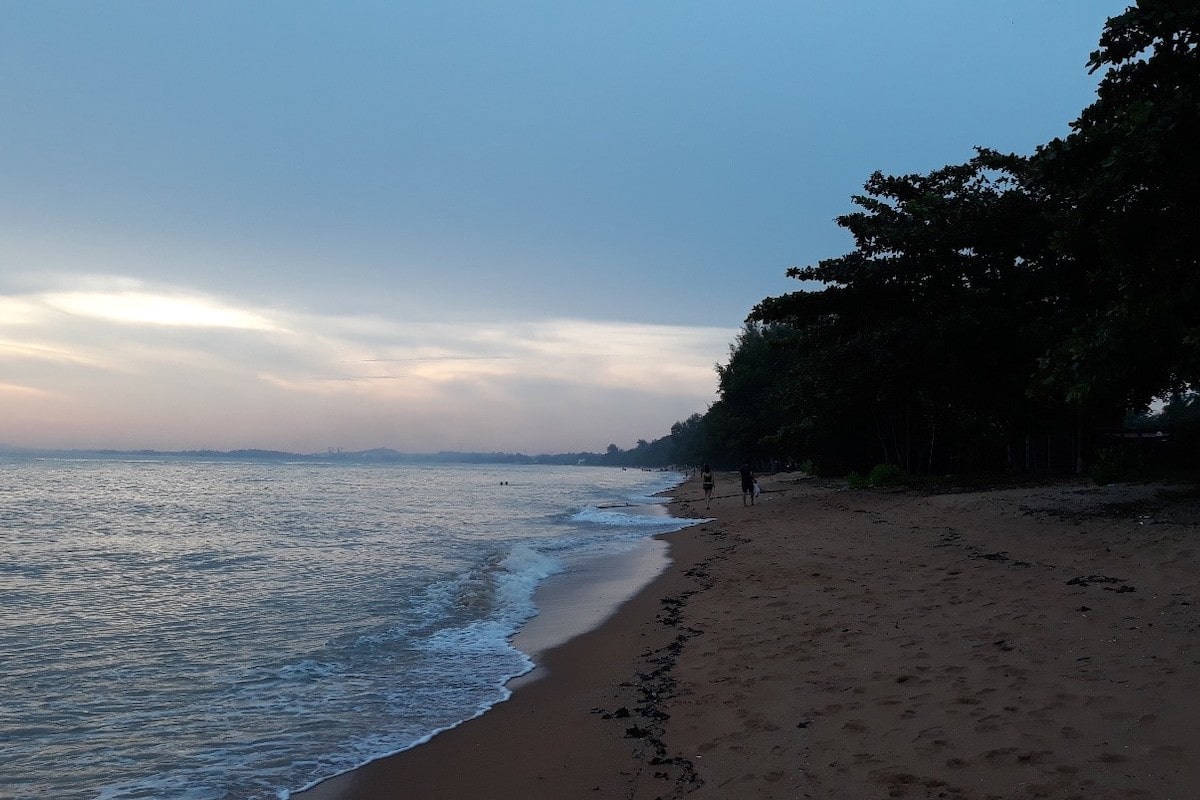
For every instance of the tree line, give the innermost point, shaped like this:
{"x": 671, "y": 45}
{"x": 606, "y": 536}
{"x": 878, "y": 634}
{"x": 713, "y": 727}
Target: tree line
{"x": 1007, "y": 312}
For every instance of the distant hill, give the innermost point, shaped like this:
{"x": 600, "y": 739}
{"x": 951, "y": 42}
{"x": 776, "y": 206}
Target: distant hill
{"x": 373, "y": 455}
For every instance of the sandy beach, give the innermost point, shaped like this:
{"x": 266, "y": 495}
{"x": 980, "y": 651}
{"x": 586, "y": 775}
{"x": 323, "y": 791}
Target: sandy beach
{"x": 1024, "y": 642}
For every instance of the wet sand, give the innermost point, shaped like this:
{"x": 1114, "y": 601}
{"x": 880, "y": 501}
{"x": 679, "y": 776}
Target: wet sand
{"x": 1037, "y": 641}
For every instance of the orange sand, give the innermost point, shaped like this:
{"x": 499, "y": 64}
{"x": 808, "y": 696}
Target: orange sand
{"x": 1017, "y": 643}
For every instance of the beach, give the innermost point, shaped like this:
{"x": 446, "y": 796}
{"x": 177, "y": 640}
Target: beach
{"x": 1033, "y": 640}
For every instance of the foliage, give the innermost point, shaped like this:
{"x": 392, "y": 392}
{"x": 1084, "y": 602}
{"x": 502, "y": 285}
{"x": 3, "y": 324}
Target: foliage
{"x": 886, "y": 475}
{"x": 1179, "y": 409}
{"x": 1124, "y": 182}
{"x": 1004, "y": 312}
{"x": 645, "y": 455}
{"x": 880, "y": 475}
{"x": 928, "y": 333}
{"x": 1172, "y": 434}
{"x": 1116, "y": 463}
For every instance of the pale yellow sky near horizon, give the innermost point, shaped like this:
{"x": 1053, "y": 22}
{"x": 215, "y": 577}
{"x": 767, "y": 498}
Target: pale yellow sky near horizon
{"x": 117, "y": 363}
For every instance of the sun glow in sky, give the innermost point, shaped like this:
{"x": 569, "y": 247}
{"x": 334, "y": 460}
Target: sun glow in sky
{"x": 524, "y": 226}
{"x": 152, "y": 309}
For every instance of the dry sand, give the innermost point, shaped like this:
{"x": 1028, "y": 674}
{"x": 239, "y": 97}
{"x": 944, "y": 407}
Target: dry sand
{"x": 1013, "y": 643}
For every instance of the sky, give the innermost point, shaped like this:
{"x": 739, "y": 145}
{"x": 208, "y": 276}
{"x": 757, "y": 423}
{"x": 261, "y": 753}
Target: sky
{"x": 490, "y": 226}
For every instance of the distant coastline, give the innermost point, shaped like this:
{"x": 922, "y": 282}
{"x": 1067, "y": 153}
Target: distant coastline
{"x": 378, "y": 455}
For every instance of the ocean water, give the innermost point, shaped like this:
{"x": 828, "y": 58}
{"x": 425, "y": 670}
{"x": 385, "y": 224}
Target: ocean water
{"x": 217, "y": 630}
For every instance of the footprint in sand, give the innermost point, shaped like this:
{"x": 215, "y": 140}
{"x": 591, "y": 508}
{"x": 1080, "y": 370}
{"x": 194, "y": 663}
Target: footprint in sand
{"x": 1034, "y": 756}
{"x": 932, "y": 740}
{"x": 1168, "y": 751}
{"x": 989, "y": 724}
{"x": 999, "y": 754}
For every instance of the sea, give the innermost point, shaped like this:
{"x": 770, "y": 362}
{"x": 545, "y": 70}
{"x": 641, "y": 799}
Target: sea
{"x": 207, "y": 629}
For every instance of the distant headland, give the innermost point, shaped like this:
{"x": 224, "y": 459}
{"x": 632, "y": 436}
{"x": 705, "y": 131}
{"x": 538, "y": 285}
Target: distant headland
{"x": 614, "y": 456}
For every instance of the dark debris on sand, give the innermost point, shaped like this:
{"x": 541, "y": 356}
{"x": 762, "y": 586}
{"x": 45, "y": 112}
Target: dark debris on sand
{"x": 656, "y": 683}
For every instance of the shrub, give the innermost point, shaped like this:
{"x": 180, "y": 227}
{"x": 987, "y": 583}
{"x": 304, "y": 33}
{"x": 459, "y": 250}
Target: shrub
{"x": 880, "y": 475}
{"x": 886, "y": 474}
{"x": 1115, "y": 464}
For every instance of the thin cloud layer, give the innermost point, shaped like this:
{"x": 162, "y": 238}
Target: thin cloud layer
{"x": 138, "y": 307}
{"x": 124, "y": 364}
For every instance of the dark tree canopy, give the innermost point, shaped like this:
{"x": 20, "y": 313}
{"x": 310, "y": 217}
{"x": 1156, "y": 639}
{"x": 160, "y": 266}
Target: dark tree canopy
{"x": 1125, "y": 183}
{"x": 1008, "y": 311}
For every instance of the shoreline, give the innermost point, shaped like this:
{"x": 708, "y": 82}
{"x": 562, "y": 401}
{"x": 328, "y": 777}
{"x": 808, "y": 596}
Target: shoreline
{"x": 574, "y": 602}
{"x": 1029, "y": 641}
{"x": 573, "y": 605}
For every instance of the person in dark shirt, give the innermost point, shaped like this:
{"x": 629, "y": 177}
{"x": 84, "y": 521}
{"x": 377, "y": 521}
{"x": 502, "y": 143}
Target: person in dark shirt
{"x": 747, "y": 484}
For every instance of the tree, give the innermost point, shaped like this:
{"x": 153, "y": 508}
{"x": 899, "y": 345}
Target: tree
{"x": 754, "y": 387}
{"x": 1125, "y": 181}
{"x": 1002, "y": 309}
{"x": 687, "y": 443}
{"x": 929, "y": 331}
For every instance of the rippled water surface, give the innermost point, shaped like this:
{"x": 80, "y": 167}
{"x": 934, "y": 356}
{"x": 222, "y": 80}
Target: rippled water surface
{"x": 175, "y": 628}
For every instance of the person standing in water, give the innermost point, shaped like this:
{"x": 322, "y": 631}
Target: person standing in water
{"x": 706, "y": 477}
{"x": 747, "y": 484}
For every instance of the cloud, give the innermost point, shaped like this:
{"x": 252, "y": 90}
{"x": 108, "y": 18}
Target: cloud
{"x": 134, "y": 365}
{"x": 137, "y": 307}
{"x": 19, "y": 312}
{"x": 11, "y": 350}
{"x": 16, "y": 389}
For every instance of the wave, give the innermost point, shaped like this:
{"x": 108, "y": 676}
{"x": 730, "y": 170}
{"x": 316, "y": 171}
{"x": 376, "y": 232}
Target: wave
{"x": 632, "y": 516}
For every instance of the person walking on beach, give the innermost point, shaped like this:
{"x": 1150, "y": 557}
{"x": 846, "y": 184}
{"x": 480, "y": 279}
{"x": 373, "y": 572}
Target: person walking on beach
{"x": 747, "y": 484}
{"x": 706, "y": 477}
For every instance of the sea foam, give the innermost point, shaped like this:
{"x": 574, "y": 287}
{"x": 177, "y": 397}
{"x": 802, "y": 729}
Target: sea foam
{"x": 206, "y": 629}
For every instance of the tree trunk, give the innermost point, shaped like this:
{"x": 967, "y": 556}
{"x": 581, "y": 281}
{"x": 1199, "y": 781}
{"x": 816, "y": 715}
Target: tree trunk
{"x": 932, "y": 438}
{"x": 882, "y": 439}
